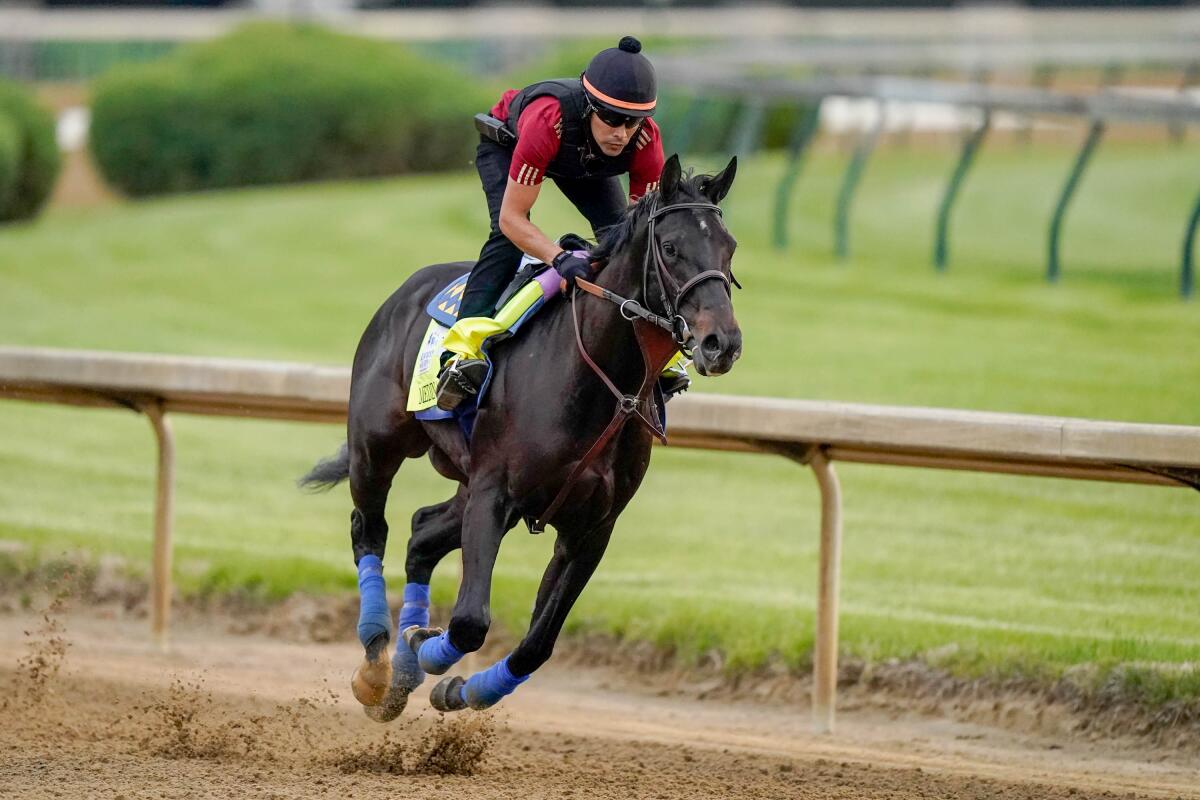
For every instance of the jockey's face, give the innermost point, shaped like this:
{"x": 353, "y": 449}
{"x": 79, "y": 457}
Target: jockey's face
{"x": 613, "y": 140}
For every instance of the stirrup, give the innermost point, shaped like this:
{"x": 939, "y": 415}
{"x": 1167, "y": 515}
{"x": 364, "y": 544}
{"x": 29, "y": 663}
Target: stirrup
{"x": 674, "y": 384}
{"x": 459, "y": 379}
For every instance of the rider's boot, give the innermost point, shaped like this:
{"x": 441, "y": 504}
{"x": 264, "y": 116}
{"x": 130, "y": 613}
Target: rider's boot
{"x": 674, "y": 378}
{"x": 464, "y": 368}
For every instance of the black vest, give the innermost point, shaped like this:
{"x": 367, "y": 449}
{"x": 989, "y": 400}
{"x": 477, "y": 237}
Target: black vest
{"x": 578, "y": 156}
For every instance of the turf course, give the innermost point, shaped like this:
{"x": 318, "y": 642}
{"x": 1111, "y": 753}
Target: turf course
{"x": 979, "y": 572}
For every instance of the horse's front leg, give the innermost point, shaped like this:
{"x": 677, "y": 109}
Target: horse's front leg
{"x": 488, "y": 516}
{"x": 573, "y": 563}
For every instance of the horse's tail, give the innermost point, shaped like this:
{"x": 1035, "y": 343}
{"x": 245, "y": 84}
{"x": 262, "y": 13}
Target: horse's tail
{"x": 328, "y": 472}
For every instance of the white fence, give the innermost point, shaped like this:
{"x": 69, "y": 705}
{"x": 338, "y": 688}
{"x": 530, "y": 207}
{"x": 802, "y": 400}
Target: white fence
{"x": 811, "y": 433}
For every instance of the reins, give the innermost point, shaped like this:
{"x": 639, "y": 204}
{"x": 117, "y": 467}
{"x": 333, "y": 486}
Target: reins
{"x": 646, "y": 324}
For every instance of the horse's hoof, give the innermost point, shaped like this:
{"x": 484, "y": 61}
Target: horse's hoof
{"x": 447, "y": 695}
{"x": 371, "y": 680}
{"x": 406, "y": 676}
{"x": 392, "y": 705}
{"x": 415, "y": 636}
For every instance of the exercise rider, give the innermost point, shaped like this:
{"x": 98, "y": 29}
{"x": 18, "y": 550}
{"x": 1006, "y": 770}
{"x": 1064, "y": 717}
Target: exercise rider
{"x": 582, "y": 133}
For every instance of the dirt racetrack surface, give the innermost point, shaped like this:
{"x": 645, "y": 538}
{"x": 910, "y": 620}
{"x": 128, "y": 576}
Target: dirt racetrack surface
{"x": 90, "y": 708}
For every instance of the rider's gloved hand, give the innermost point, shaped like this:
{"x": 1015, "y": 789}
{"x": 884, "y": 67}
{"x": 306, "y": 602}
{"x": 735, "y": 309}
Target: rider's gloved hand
{"x": 570, "y": 267}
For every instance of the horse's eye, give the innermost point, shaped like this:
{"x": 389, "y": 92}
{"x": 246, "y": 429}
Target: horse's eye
{"x": 669, "y": 249}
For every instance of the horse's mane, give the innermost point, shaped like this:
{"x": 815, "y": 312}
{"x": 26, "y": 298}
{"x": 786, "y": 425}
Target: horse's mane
{"x": 622, "y": 233}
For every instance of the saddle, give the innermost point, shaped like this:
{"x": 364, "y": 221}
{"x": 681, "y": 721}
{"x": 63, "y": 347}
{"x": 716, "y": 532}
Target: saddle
{"x": 442, "y": 311}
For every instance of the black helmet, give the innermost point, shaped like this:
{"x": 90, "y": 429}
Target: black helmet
{"x": 621, "y": 80}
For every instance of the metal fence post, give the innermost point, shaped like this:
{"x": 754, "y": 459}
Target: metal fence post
{"x": 854, "y": 170}
{"x": 802, "y": 135}
{"x": 825, "y": 654}
{"x": 682, "y": 135}
{"x": 749, "y": 130}
{"x": 970, "y": 146}
{"x": 160, "y": 590}
{"x": 1081, "y": 162}
{"x": 1187, "y": 270}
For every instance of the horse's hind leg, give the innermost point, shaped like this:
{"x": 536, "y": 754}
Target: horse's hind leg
{"x": 436, "y": 530}
{"x": 572, "y": 565}
{"x": 374, "y": 459}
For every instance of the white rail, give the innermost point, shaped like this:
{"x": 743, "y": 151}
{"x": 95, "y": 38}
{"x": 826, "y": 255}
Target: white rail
{"x": 812, "y": 433}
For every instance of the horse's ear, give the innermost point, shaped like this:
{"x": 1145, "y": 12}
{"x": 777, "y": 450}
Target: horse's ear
{"x": 718, "y": 186}
{"x": 668, "y": 182}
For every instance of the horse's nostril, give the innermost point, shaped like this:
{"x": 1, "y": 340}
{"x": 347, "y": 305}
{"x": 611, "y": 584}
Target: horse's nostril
{"x": 711, "y": 345}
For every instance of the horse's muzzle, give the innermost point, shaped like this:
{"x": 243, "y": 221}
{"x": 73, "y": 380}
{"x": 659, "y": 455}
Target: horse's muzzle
{"x": 716, "y": 351}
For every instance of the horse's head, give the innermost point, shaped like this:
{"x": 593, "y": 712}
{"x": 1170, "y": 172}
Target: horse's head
{"x": 689, "y": 252}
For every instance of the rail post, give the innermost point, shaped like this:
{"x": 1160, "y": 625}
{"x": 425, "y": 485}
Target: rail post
{"x": 1187, "y": 270}
{"x": 802, "y": 136}
{"x": 971, "y": 143}
{"x": 1081, "y": 161}
{"x": 164, "y": 507}
{"x": 854, "y": 170}
{"x": 825, "y": 655}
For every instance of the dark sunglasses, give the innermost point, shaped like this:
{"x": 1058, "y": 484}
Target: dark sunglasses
{"x": 614, "y": 120}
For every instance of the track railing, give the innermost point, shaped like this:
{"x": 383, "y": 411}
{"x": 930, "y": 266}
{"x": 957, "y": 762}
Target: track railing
{"x": 807, "y": 432}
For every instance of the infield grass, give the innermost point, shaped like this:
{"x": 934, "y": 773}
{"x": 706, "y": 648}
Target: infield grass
{"x": 979, "y": 572}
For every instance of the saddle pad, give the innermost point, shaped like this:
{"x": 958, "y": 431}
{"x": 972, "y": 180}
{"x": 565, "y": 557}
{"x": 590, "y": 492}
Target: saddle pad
{"x": 422, "y": 394}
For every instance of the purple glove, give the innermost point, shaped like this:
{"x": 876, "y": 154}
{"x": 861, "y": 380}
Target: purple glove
{"x": 571, "y": 266}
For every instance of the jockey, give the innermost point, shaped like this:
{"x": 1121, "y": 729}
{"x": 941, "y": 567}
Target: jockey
{"x": 582, "y": 133}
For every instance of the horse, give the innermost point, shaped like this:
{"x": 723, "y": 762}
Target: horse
{"x": 667, "y": 265}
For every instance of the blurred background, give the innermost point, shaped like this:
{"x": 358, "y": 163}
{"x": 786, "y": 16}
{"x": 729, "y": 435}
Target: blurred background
{"x": 961, "y": 205}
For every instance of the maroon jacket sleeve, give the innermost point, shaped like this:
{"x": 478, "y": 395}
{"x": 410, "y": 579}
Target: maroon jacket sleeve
{"x": 539, "y": 133}
{"x": 648, "y": 160}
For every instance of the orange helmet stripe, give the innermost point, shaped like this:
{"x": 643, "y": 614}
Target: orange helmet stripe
{"x": 612, "y": 101}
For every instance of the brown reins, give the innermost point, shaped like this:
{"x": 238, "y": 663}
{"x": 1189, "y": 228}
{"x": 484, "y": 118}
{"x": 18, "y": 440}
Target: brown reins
{"x": 656, "y": 349}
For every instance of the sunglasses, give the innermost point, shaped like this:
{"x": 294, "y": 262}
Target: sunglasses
{"x": 614, "y": 120}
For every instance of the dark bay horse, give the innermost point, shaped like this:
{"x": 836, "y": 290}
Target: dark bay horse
{"x": 670, "y": 258}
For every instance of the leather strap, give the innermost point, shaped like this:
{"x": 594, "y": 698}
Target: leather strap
{"x": 656, "y": 351}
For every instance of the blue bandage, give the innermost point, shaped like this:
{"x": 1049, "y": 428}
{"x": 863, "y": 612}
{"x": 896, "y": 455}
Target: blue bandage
{"x": 485, "y": 689}
{"x": 415, "y": 610}
{"x": 373, "y": 614}
{"x": 437, "y": 654}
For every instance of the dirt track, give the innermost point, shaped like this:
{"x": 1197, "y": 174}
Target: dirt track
{"x": 91, "y": 709}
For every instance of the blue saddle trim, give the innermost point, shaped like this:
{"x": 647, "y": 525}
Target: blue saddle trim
{"x": 445, "y": 304}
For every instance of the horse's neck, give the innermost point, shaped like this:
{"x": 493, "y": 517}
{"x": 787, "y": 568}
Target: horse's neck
{"x": 608, "y": 336}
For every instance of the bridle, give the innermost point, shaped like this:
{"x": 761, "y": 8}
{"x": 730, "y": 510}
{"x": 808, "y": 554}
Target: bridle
{"x": 670, "y": 321}
{"x": 673, "y": 293}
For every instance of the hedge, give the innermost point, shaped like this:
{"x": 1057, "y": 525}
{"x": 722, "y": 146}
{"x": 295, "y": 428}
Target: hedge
{"x": 29, "y": 158}
{"x": 273, "y": 103}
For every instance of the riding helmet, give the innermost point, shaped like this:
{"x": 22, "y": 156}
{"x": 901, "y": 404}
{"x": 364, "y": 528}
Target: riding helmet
{"x": 621, "y": 79}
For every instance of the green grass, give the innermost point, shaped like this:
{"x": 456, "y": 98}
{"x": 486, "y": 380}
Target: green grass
{"x": 980, "y": 572}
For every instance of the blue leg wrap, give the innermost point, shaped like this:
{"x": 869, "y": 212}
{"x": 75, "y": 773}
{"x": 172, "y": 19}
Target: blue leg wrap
{"x": 415, "y": 610}
{"x": 406, "y": 672}
{"x": 373, "y": 615}
{"x": 485, "y": 689}
{"x": 437, "y": 654}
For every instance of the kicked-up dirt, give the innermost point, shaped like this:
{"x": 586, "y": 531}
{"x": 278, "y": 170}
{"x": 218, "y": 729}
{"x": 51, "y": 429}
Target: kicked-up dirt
{"x": 90, "y": 708}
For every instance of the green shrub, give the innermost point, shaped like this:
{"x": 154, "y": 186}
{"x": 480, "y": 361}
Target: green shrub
{"x": 274, "y": 103}
{"x": 10, "y": 160}
{"x": 29, "y": 158}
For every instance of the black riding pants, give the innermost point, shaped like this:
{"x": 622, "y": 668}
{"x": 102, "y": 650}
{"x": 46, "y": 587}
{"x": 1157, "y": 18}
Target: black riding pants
{"x": 600, "y": 200}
